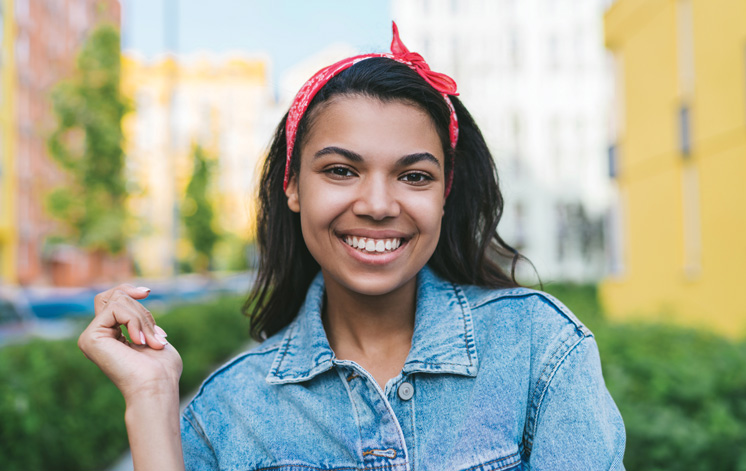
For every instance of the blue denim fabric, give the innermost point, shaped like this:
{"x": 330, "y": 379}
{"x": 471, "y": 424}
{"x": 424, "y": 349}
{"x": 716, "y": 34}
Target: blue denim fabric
{"x": 502, "y": 379}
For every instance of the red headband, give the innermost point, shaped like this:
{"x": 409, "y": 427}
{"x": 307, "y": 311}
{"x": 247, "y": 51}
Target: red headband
{"x": 399, "y": 52}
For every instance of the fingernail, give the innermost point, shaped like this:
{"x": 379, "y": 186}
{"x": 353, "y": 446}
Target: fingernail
{"x": 143, "y": 289}
{"x": 142, "y": 338}
{"x": 161, "y": 339}
{"x": 161, "y": 331}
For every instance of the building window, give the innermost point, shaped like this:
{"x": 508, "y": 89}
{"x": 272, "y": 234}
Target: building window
{"x": 614, "y": 235}
{"x": 514, "y": 50}
{"x": 692, "y": 229}
{"x": 685, "y": 131}
{"x": 613, "y": 157}
{"x": 553, "y": 52}
{"x": 520, "y": 226}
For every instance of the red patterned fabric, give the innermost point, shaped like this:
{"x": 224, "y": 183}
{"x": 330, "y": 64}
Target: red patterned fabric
{"x": 399, "y": 52}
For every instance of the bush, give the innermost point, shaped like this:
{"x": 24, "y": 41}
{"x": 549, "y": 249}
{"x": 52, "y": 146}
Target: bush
{"x": 59, "y": 411}
{"x": 681, "y": 392}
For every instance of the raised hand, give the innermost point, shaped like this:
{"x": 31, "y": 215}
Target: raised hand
{"x": 146, "y": 365}
{"x": 146, "y": 371}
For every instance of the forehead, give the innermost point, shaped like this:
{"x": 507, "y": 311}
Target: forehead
{"x": 372, "y": 127}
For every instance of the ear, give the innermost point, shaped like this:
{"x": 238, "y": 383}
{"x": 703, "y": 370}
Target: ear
{"x": 292, "y": 194}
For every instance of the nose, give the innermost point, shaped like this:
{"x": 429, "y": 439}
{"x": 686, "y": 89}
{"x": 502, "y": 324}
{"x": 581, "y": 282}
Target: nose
{"x": 376, "y": 199}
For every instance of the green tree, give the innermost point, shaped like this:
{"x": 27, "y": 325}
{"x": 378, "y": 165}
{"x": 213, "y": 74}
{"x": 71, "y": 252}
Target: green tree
{"x": 87, "y": 143}
{"x": 197, "y": 213}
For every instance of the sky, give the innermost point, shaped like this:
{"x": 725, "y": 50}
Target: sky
{"x": 286, "y": 30}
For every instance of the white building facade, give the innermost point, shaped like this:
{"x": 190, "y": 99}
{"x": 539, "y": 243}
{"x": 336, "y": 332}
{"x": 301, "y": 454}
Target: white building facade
{"x": 535, "y": 76}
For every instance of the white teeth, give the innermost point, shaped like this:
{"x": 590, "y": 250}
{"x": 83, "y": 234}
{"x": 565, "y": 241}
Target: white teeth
{"x": 372, "y": 245}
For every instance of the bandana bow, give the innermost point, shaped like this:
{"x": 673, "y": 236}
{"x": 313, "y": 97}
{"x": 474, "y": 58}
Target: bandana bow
{"x": 441, "y": 82}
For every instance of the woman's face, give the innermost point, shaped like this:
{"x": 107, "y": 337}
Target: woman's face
{"x": 370, "y": 193}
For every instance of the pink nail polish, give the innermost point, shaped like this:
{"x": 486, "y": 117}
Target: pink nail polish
{"x": 143, "y": 289}
{"x": 161, "y": 339}
{"x": 161, "y": 331}
{"x": 142, "y": 338}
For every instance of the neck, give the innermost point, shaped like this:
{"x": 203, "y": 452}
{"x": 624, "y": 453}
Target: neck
{"x": 362, "y": 328}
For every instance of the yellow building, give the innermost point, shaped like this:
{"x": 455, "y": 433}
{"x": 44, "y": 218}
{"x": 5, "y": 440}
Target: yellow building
{"x": 8, "y": 191}
{"x": 678, "y": 246}
{"x": 226, "y": 105}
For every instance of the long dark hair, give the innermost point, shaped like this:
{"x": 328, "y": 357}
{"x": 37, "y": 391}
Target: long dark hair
{"x": 469, "y": 250}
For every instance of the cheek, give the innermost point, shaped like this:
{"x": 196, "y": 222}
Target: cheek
{"x": 319, "y": 209}
{"x": 428, "y": 214}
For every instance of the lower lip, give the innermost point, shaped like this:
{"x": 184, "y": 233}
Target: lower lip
{"x": 379, "y": 258}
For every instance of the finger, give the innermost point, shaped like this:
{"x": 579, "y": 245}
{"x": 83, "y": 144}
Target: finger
{"x": 117, "y": 314}
{"x": 107, "y": 324}
{"x": 103, "y": 298}
{"x": 154, "y": 335}
{"x": 121, "y": 309}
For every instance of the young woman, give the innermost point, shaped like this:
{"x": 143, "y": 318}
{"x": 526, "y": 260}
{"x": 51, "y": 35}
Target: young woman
{"x": 394, "y": 339}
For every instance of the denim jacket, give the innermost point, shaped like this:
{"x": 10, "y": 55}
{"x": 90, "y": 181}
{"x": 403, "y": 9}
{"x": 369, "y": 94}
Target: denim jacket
{"x": 495, "y": 380}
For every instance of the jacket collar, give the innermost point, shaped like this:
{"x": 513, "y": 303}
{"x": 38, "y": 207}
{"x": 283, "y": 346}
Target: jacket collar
{"x": 443, "y": 340}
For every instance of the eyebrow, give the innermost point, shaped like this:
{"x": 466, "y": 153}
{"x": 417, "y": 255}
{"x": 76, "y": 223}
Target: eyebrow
{"x": 405, "y": 161}
{"x": 348, "y": 154}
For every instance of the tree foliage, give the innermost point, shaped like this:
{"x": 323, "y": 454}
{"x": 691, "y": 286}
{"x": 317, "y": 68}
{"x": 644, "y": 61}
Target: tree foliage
{"x": 87, "y": 143}
{"x": 197, "y": 213}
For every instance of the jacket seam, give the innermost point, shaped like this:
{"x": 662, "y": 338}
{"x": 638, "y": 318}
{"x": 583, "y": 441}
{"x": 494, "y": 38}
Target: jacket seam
{"x": 418, "y": 362}
{"x": 197, "y": 426}
{"x": 548, "y": 299}
{"x": 281, "y": 354}
{"x": 464, "y": 304}
{"x": 346, "y": 385}
{"x": 545, "y": 380}
{"x": 507, "y": 465}
{"x": 228, "y": 365}
{"x": 316, "y": 468}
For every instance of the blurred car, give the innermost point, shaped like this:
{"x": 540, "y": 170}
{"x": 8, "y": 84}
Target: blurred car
{"x": 57, "y": 303}
{"x": 19, "y": 323}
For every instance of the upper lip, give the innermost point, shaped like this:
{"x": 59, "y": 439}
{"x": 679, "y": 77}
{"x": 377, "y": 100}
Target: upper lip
{"x": 373, "y": 234}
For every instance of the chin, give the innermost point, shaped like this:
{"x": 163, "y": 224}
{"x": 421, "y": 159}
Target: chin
{"x": 370, "y": 284}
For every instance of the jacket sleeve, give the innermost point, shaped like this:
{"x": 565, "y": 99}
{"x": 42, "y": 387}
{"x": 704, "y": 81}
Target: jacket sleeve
{"x": 198, "y": 453}
{"x": 576, "y": 425}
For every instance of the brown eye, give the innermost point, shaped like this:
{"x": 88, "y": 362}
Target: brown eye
{"x": 339, "y": 172}
{"x": 416, "y": 178}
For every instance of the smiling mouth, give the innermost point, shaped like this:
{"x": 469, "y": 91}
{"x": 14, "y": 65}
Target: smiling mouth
{"x": 370, "y": 245}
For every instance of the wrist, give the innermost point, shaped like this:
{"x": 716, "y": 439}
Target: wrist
{"x": 153, "y": 429}
{"x": 144, "y": 410}
{"x": 155, "y": 393}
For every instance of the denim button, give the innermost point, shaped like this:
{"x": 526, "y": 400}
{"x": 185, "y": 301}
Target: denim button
{"x": 405, "y": 391}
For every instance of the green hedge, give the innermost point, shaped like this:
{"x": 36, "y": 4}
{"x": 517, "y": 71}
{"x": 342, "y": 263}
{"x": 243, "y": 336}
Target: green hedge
{"x": 60, "y": 412}
{"x": 681, "y": 392}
